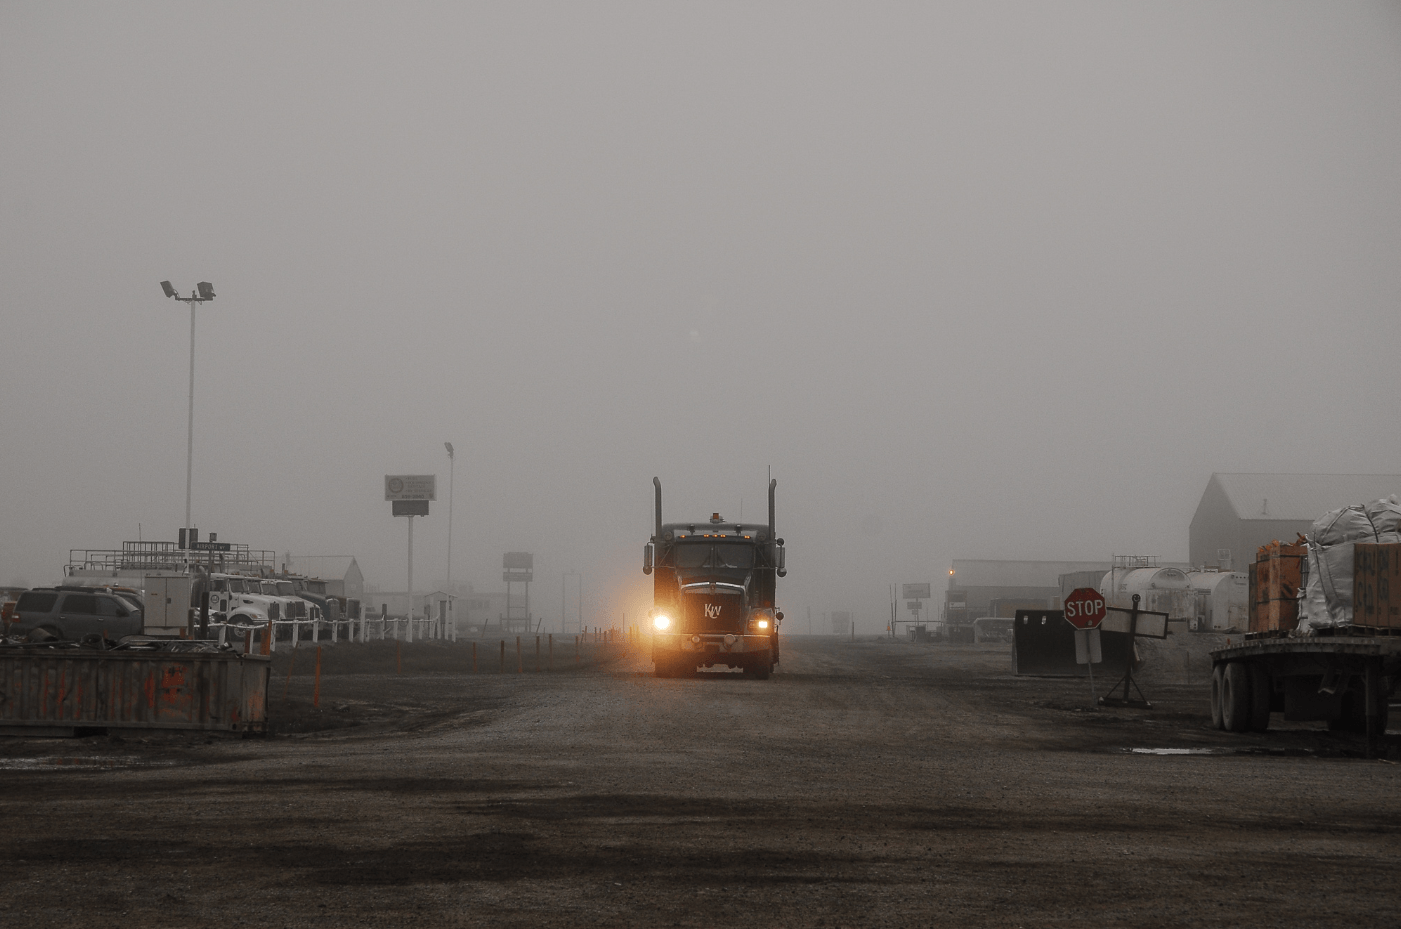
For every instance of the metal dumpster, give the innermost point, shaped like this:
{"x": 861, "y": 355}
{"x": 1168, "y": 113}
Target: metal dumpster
{"x": 55, "y": 691}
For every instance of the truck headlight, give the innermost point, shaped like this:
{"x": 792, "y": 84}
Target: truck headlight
{"x": 761, "y": 624}
{"x": 661, "y": 622}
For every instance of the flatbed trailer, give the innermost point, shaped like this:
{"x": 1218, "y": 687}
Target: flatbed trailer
{"x": 1344, "y": 676}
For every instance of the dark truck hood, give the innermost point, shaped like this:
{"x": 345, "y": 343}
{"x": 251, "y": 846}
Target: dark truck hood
{"x": 713, "y": 607}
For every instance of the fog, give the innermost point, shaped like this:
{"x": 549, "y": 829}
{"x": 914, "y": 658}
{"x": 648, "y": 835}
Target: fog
{"x": 974, "y": 280}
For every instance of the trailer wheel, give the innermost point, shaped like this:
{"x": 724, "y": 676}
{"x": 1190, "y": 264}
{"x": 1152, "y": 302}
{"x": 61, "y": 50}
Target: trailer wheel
{"x": 1235, "y": 697}
{"x": 1259, "y": 697}
{"x": 1217, "y": 672}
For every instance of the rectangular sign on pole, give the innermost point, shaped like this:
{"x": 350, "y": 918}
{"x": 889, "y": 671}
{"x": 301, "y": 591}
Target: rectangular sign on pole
{"x": 1087, "y": 650}
{"x": 1152, "y": 625}
{"x": 411, "y": 487}
{"x": 914, "y": 592}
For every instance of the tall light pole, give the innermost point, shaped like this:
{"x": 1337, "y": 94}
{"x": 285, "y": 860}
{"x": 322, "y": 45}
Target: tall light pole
{"x": 452, "y": 620}
{"x": 204, "y": 291}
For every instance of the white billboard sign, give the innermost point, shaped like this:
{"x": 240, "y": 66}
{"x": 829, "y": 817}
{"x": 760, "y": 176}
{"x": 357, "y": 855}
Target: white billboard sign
{"x": 411, "y": 487}
{"x": 914, "y": 592}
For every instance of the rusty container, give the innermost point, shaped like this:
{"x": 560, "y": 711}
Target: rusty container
{"x": 1376, "y": 585}
{"x": 1275, "y": 578}
{"x": 57, "y": 691}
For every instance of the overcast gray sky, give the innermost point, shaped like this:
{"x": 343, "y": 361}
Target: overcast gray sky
{"x": 976, "y": 280}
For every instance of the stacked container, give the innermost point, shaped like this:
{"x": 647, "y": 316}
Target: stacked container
{"x": 1275, "y": 578}
{"x": 1376, "y": 594}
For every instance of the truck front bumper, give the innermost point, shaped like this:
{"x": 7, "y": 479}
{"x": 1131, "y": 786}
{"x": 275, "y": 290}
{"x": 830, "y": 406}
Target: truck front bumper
{"x": 709, "y": 643}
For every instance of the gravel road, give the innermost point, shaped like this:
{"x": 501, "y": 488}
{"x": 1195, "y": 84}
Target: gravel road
{"x": 866, "y": 784}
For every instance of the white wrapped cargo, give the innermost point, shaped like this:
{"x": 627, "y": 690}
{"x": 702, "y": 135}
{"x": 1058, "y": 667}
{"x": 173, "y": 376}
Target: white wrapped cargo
{"x": 1327, "y": 597}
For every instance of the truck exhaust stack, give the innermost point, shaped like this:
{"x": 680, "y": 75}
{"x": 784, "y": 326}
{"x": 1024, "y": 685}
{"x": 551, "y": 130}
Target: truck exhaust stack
{"x": 657, "y": 483}
{"x": 773, "y": 482}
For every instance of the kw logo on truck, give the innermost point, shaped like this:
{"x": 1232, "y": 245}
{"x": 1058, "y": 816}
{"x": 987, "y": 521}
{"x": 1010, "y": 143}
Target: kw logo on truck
{"x": 712, "y": 611}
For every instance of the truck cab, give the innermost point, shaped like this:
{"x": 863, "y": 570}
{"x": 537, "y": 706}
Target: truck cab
{"x": 238, "y": 601}
{"x": 714, "y": 594}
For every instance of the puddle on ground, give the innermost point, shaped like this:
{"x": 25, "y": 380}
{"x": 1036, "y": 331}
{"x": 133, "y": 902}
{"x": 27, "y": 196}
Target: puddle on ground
{"x": 79, "y": 763}
{"x": 1245, "y": 750}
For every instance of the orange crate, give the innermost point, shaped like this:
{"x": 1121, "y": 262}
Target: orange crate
{"x": 1279, "y": 571}
{"x": 1274, "y": 616}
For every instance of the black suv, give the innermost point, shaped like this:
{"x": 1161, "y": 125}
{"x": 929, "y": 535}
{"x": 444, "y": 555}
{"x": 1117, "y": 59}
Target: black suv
{"x": 73, "y": 612}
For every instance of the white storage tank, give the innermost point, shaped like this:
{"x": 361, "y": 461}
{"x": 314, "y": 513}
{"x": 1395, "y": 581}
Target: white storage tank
{"x": 1162, "y": 590}
{"x": 1223, "y": 601}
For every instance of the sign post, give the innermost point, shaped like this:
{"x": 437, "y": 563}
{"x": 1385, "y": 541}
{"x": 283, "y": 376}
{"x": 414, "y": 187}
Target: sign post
{"x": 1137, "y": 622}
{"x": 409, "y": 495}
{"x": 1085, "y": 610}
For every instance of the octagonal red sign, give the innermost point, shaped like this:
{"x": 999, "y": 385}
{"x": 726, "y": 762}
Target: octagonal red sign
{"x": 1084, "y": 608}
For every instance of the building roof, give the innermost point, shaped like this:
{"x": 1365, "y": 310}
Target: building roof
{"x": 325, "y": 567}
{"x": 988, "y": 572}
{"x": 1304, "y": 497}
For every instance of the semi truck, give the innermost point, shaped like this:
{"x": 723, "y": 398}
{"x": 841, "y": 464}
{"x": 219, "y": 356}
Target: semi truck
{"x": 714, "y": 587}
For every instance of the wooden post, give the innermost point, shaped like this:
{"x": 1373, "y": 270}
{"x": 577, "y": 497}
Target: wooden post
{"x": 316, "y": 689}
{"x": 520, "y": 662}
{"x": 551, "y": 658}
{"x": 577, "y": 659}
{"x": 537, "y": 653}
{"x": 398, "y": 656}
{"x": 503, "y": 657}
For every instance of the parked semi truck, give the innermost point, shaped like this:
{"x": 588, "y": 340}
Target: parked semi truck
{"x": 714, "y": 590}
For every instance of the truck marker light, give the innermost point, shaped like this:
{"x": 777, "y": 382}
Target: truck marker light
{"x": 762, "y": 623}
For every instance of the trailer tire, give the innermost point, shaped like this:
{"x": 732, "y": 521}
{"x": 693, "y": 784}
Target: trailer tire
{"x": 1259, "y": 697}
{"x": 1235, "y": 697}
{"x": 1217, "y": 673}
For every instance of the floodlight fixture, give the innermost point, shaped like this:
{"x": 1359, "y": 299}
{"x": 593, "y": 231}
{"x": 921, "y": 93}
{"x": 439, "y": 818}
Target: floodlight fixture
{"x": 206, "y": 290}
{"x": 169, "y": 291}
{"x": 448, "y": 446}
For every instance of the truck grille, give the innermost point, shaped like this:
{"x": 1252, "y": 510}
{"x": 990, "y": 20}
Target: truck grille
{"x": 717, "y": 612}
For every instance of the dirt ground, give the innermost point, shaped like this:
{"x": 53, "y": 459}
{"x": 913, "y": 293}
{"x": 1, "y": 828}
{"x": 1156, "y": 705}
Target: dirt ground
{"x": 872, "y": 783}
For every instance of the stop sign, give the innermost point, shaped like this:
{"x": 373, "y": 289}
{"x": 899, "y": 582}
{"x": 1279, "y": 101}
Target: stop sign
{"x": 1084, "y": 608}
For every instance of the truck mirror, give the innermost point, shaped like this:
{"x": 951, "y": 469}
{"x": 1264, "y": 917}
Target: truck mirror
{"x": 647, "y": 551}
{"x": 780, "y": 561}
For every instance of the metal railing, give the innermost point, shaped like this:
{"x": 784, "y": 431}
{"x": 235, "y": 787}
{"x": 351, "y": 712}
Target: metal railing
{"x": 165, "y": 556}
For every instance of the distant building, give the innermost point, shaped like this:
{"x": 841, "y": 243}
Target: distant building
{"x": 340, "y": 572}
{"x": 989, "y": 587}
{"x": 1240, "y": 512}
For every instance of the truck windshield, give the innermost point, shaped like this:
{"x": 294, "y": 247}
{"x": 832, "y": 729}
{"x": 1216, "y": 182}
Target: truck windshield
{"x": 714, "y": 555}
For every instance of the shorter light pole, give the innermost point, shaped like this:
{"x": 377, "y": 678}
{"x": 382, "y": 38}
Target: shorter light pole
{"x": 451, "y": 619}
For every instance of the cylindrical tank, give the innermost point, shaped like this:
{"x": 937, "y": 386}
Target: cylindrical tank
{"x": 1162, "y": 590}
{"x": 1223, "y": 600}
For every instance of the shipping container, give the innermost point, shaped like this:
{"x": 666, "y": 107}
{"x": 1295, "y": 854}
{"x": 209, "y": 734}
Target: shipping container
{"x": 1376, "y": 591}
{"x": 56, "y": 691}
